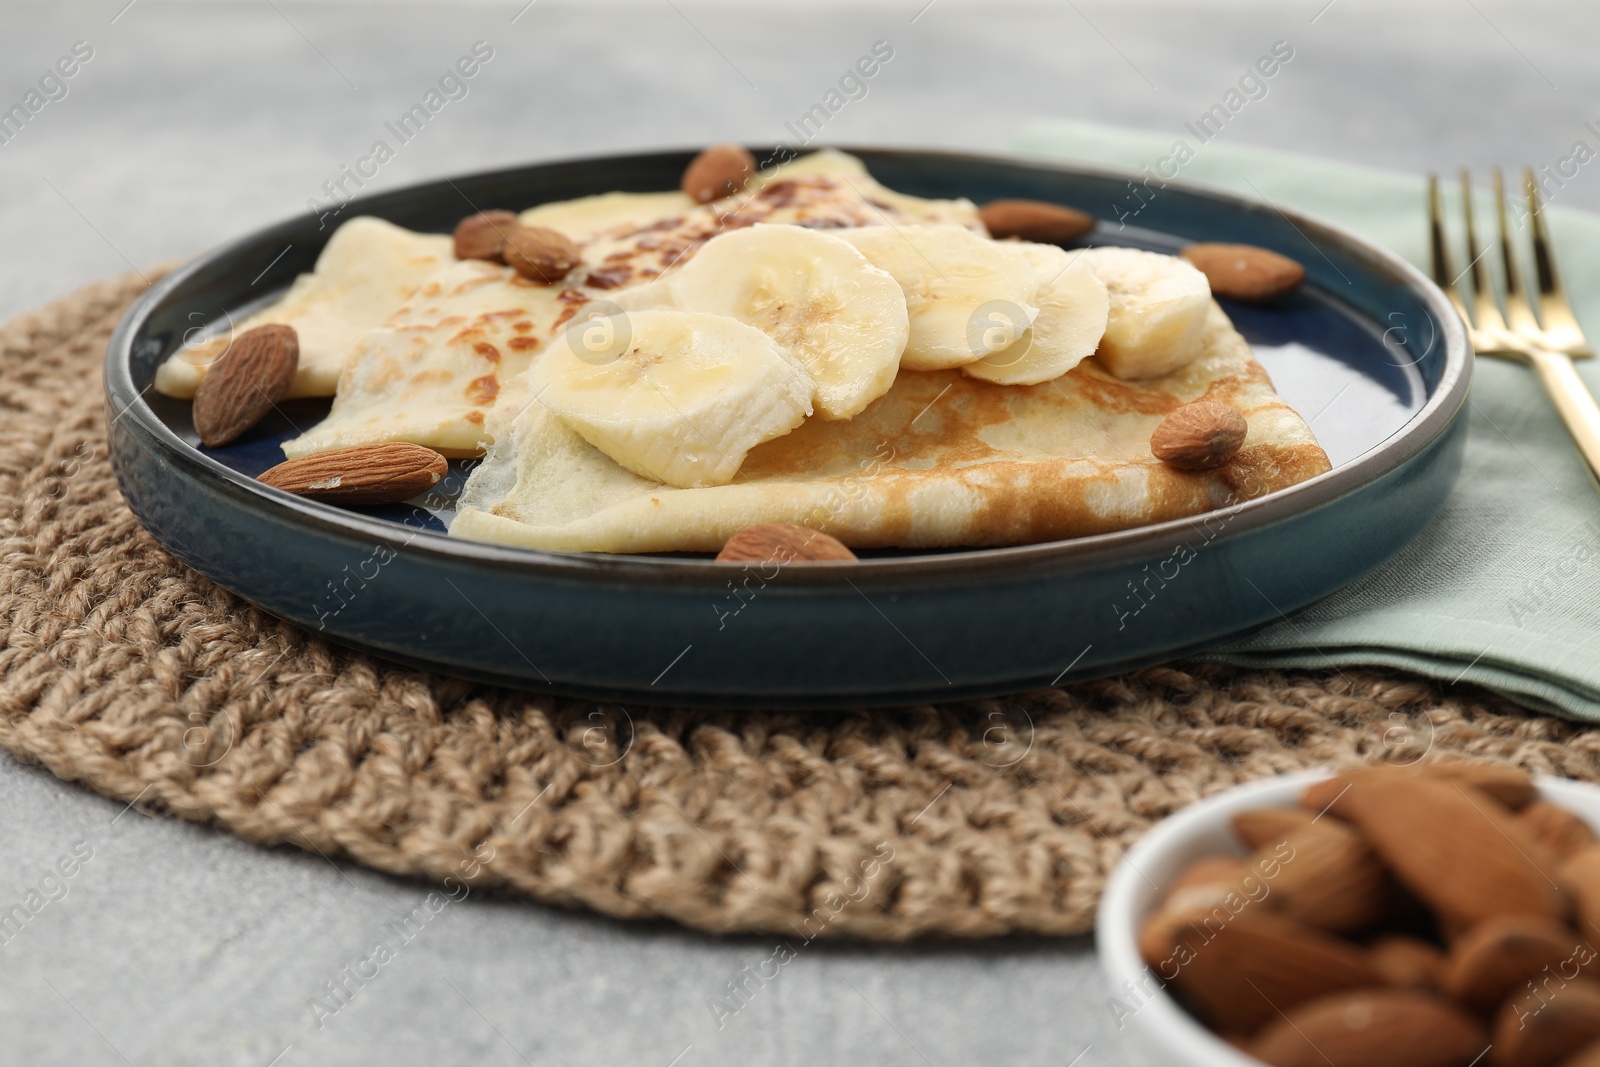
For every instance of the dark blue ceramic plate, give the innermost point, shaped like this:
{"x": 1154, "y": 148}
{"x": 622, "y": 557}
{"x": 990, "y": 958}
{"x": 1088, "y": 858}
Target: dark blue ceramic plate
{"x": 1369, "y": 351}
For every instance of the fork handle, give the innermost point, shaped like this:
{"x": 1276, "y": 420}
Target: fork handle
{"x": 1573, "y": 400}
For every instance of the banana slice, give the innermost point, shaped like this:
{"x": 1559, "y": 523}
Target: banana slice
{"x": 842, "y": 318}
{"x": 676, "y": 396}
{"x": 1159, "y": 306}
{"x": 1073, "y": 305}
{"x": 949, "y": 274}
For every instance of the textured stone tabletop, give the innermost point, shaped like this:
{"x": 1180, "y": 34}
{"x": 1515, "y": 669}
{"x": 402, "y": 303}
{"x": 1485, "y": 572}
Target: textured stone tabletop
{"x": 185, "y": 124}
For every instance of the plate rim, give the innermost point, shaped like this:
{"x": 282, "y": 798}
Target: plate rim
{"x": 1424, "y": 426}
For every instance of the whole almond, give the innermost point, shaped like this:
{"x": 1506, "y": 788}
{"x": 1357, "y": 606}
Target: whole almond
{"x": 1330, "y": 879}
{"x": 243, "y": 384}
{"x": 1406, "y": 962}
{"x": 1373, "y": 1028}
{"x": 1035, "y": 220}
{"x": 1268, "y": 826}
{"x": 365, "y": 474}
{"x": 1195, "y": 897}
{"x": 1558, "y": 829}
{"x": 1500, "y": 955}
{"x": 483, "y": 236}
{"x": 773, "y": 542}
{"x": 1545, "y": 1025}
{"x": 1241, "y": 974}
{"x": 719, "y": 171}
{"x": 1511, "y": 787}
{"x": 1457, "y": 850}
{"x": 1580, "y": 874}
{"x": 540, "y": 253}
{"x": 1199, "y": 436}
{"x": 1245, "y": 272}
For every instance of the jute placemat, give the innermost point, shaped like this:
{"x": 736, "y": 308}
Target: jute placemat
{"x": 122, "y": 669}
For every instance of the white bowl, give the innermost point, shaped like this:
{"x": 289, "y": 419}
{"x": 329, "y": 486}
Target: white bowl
{"x": 1163, "y": 1028}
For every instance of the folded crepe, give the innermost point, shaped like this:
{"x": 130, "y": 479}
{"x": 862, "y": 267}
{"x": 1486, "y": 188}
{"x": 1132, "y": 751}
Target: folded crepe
{"x": 941, "y": 460}
{"x": 366, "y": 271}
{"x": 425, "y": 376}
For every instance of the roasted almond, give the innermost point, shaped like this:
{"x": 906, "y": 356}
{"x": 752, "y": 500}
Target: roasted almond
{"x": 540, "y": 253}
{"x": 1199, "y": 436}
{"x": 1329, "y": 878}
{"x": 1406, "y": 962}
{"x": 1245, "y": 272}
{"x": 364, "y": 474}
{"x": 772, "y": 542}
{"x": 1035, "y": 220}
{"x": 1511, "y": 787}
{"x": 1558, "y": 829}
{"x": 1457, "y": 850}
{"x": 1547, "y": 1024}
{"x": 1580, "y": 875}
{"x": 1500, "y": 955}
{"x": 243, "y": 384}
{"x": 1268, "y": 826}
{"x": 1196, "y": 895}
{"x": 483, "y": 236}
{"x": 719, "y": 171}
{"x": 1373, "y": 1028}
{"x": 1241, "y": 974}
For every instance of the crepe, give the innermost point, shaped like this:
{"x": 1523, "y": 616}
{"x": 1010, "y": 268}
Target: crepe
{"x": 366, "y": 270}
{"x": 432, "y": 372}
{"x": 422, "y": 377}
{"x": 941, "y": 460}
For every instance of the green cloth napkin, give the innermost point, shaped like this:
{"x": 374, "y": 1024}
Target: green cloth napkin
{"x": 1503, "y": 588}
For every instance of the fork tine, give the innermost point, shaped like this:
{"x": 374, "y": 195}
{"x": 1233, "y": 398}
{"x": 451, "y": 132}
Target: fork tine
{"x": 1485, "y": 312}
{"x": 1519, "y": 313}
{"x": 1561, "y": 328}
{"x": 1439, "y": 249}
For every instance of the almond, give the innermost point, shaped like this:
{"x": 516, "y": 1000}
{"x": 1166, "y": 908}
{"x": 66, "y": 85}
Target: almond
{"x": 1547, "y": 1024}
{"x": 244, "y": 383}
{"x": 1241, "y": 974}
{"x": 1511, "y": 787}
{"x": 1329, "y": 879}
{"x": 1588, "y": 1056}
{"x": 1035, "y": 220}
{"x": 1580, "y": 874}
{"x": 1373, "y": 1028}
{"x": 782, "y": 543}
{"x": 1245, "y": 272}
{"x": 540, "y": 253}
{"x": 1452, "y": 846}
{"x": 1406, "y": 962}
{"x": 365, "y": 474}
{"x": 719, "y": 171}
{"x": 1268, "y": 826}
{"x": 1199, "y": 436}
{"x": 1500, "y": 955}
{"x": 1558, "y": 829}
{"x": 1196, "y": 895}
{"x": 483, "y": 236}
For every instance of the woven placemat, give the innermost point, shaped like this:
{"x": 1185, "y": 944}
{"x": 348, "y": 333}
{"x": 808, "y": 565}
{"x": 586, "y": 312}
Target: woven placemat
{"x": 123, "y": 669}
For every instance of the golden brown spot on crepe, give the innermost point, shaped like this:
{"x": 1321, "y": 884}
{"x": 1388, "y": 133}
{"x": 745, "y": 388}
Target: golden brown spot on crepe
{"x": 482, "y": 391}
{"x": 474, "y": 417}
{"x": 432, "y": 289}
{"x": 429, "y": 377}
{"x": 522, "y": 327}
{"x": 487, "y": 351}
{"x": 521, "y": 344}
{"x": 1104, "y": 393}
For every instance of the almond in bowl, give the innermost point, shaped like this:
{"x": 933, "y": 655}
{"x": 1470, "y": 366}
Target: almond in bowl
{"x": 1436, "y": 915}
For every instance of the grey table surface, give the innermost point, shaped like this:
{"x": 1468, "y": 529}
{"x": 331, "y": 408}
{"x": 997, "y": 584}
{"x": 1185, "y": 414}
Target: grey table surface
{"x": 193, "y": 123}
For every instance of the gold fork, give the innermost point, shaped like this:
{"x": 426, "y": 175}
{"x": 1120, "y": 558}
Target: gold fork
{"x": 1548, "y": 342}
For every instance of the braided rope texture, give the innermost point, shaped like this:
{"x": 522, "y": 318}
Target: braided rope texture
{"x": 123, "y": 670}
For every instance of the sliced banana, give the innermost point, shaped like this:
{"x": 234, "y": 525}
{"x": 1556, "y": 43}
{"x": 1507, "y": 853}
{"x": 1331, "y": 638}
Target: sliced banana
{"x": 1073, "y": 305}
{"x": 1159, "y": 306}
{"x": 949, "y": 274}
{"x": 842, "y": 318}
{"x": 676, "y": 396}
